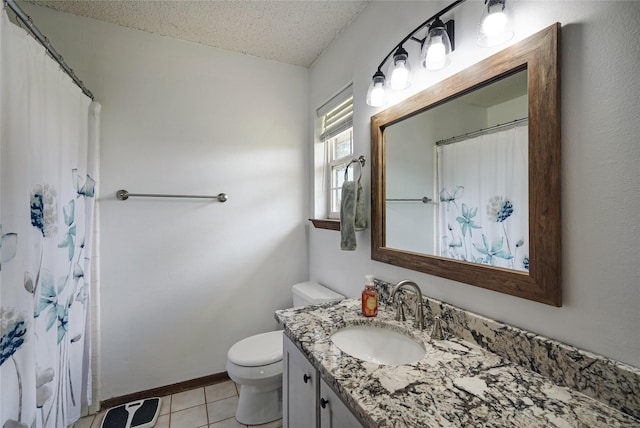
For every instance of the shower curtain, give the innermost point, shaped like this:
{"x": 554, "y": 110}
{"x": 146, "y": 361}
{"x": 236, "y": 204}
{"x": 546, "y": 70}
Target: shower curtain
{"x": 484, "y": 204}
{"x": 48, "y": 143}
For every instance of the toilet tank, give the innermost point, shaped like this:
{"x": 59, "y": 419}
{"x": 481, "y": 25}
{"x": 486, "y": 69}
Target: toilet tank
{"x": 312, "y": 293}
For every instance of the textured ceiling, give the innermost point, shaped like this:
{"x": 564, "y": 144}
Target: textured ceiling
{"x": 293, "y": 32}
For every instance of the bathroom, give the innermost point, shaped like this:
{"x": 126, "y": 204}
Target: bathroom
{"x": 180, "y": 282}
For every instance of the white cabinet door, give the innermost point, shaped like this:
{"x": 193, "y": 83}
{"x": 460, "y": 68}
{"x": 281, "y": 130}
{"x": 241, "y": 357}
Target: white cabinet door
{"x": 333, "y": 412}
{"x": 299, "y": 388}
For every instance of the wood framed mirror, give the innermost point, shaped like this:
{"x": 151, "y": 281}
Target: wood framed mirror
{"x": 535, "y": 273}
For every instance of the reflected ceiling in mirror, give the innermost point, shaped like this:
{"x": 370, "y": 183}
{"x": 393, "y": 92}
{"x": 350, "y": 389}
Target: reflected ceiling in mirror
{"x": 465, "y": 175}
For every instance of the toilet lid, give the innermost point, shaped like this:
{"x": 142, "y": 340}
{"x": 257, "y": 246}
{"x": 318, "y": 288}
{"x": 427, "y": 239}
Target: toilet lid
{"x": 258, "y": 350}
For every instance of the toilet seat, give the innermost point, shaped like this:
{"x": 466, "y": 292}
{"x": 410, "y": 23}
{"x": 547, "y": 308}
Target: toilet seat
{"x": 258, "y": 350}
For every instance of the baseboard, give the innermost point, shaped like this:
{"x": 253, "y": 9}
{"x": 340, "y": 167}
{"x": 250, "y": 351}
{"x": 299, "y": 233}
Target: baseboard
{"x": 165, "y": 390}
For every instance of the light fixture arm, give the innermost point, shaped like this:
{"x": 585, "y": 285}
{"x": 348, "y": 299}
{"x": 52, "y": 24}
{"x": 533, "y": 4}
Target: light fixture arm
{"x": 425, "y": 24}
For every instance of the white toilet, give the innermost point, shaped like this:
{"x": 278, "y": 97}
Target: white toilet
{"x": 255, "y": 363}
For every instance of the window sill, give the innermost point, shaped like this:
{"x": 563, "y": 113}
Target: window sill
{"x": 328, "y": 224}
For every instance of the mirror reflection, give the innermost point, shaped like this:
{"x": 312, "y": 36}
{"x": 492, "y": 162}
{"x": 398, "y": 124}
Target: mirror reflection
{"x": 457, "y": 178}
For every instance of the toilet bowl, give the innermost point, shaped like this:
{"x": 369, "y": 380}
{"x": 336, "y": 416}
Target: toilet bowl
{"x": 255, "y": 363}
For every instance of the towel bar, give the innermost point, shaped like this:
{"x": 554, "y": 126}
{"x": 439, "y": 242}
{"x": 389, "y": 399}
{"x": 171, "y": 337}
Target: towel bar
{"x": 123, "y": 195}
{"x": 424, "y": 200}
{"x": 361, "y": 160}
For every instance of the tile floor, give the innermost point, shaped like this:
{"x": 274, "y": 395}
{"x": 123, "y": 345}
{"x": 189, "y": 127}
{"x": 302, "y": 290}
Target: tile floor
{"x": 212, "y": 406}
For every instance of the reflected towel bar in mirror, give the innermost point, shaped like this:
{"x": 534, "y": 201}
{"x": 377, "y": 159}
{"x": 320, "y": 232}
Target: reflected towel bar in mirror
{"x": 424, "y": 200}
{"x": 123, "y": 195}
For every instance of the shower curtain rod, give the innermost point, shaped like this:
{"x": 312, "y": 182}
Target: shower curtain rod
{"x": 480, "y": 132}
{"x": 26, "y": 20}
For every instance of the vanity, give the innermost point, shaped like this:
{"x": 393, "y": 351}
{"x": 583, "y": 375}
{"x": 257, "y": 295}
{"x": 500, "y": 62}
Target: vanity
{"x": 484, "y": 373}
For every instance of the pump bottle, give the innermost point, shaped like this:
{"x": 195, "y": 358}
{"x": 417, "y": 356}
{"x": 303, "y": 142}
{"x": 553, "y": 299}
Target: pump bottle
{"x": 369, "y": 298}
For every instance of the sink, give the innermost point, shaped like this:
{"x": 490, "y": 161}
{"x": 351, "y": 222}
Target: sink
{"x": 378, "y": 344}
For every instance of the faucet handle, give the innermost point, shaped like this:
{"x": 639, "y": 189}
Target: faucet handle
{"x": 437, "y": 333}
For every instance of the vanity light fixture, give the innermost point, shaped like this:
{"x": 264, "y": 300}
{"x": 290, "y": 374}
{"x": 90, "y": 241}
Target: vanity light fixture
{"x": 496, "y": 23}
{"x": 496, "y": 27}
{"x": 436, "y": 46}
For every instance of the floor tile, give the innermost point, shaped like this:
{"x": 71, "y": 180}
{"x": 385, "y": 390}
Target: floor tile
{"x": 186, "y": 399}
{"x": 219, "y": 391}
{"x": 193, "y": 417}
{"x": 162, "y": 422}
{"x": 227, "y": 423}
{"x": 165, "y": 405}
{"x": 98, "y": 420}
{"x": 274, "y": 424}
{"x": 84, "y": 422}
{"x": 222, "y": 409}
{"x": 213, "y": 406}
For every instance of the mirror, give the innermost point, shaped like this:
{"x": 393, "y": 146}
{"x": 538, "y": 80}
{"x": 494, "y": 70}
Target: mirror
{"x": 445, "y": 164}
{"x": 466, "y": 175}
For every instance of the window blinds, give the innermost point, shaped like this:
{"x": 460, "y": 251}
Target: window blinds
{"x": 336, "y": 114}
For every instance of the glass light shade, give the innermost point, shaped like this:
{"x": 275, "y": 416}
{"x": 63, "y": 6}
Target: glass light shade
{"x": 436, "y": 48}
{"x": 399, "y": 71}
{"x": 496, "y": 24}
{"x": 376, "y": 94}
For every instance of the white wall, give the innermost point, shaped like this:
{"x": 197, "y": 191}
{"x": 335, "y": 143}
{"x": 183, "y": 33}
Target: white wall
{"x": 600, "y": 158}
{"x": 409, "y": 155}
{"x": 182, "y": 280}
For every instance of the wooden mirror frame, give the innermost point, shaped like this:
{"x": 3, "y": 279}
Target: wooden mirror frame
{"x": 540, "y": 56}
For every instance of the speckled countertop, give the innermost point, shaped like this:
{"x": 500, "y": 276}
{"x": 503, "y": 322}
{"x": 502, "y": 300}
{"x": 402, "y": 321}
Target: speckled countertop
{"x": 457, "y": 384}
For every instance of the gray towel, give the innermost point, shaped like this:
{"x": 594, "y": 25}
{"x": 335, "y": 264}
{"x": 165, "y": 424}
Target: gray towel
{"x": 352, "y": 214}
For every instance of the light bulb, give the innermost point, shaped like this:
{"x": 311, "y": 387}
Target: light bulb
{"x": 377, "y": 96}
{"x": 436, "y": 51}
{"x": 437, "y": 47}
{"x": 400, "y": 77}
{"x": 399, "y": 71}
{"x": 494, "y": 24}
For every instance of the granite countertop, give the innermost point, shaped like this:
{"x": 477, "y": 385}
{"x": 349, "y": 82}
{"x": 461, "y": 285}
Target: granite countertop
{"x": 457, "y": 383}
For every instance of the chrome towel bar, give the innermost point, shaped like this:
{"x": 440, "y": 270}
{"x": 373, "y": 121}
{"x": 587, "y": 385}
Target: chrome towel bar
{"x": 360, "y": 160}
{"x": 123, "y": 195}
{"x": 424, "y": 200}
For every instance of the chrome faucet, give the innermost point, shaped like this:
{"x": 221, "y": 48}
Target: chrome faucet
{"x": 419, "y": 304}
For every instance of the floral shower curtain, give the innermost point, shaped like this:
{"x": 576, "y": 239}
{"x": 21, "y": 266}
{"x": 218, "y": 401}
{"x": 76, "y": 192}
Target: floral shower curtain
{"x": 47, "y": 186}
{"x": 484, "y": 202}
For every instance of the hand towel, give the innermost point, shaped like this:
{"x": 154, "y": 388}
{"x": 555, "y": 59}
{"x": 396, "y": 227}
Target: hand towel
{"x": 353, "y": 215}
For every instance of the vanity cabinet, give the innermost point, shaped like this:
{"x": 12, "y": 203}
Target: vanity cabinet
{"x": 333, "y": 412}
{"x": 299, "y": 388}
{"x": 307, "y": 401}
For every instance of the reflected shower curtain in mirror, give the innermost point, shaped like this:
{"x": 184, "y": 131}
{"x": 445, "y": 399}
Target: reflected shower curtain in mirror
{"x": 483, "y": 215}
{"x": 47, "y": 183}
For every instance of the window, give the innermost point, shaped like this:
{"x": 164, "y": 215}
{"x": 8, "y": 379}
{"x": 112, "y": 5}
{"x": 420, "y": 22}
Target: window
{"x": 336, "y": 134}
{"x": 340, "y": 150}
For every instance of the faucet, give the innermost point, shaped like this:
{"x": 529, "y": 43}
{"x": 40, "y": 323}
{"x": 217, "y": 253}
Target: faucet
{"x": 419, "y": 304}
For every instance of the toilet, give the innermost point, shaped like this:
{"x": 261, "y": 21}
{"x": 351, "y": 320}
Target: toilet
{"x": 255, "y": 363}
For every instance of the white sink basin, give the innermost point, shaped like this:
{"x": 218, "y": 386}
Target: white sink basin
{"x": 378, "y": 344}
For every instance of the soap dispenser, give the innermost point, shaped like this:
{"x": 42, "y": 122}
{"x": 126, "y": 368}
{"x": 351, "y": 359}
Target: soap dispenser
{"x": 369, "y": 298}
